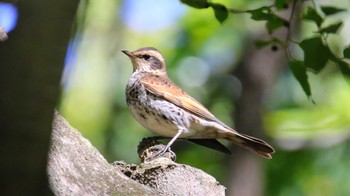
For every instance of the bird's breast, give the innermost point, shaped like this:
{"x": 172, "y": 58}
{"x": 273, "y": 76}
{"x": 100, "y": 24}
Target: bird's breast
{"x": 154, "y": 113}
{"x": 163, "y": 117}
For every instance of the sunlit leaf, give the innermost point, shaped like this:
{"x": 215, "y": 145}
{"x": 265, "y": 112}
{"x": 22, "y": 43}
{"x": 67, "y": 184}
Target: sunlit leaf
{"x": 316, "y": 54}
{"x": 331, "y": 28}
{"x": 330, "y": 10}
{"x": 263, "y": 43}
{"x": 299, "y": 71}
{"x": 196, "y": 3}
{"x": 311, "y": 14}
{"x": 221, "y": 12}
{"x": 346, "y": 52}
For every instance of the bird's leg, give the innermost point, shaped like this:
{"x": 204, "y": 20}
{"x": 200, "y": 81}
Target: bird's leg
{"x": 162, "y": 151}
{"x": 159, "y": 137}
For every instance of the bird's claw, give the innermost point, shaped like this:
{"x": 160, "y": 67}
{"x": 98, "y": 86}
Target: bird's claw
{"x": 160, "y": 153}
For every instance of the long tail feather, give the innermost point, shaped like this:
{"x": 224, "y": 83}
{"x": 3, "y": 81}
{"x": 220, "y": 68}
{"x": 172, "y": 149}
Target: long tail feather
{"x": 251, "y": 143}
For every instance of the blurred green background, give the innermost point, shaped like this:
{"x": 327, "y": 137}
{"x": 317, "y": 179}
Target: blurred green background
{"x": 311, "y": 140}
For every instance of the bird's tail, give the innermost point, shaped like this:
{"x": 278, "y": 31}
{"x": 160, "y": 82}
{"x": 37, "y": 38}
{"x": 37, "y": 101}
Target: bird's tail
{"x": 251, "y": 143}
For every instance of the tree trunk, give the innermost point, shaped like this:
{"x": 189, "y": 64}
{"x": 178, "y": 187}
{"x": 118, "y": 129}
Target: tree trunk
{"x": 31, "y": 63}
{"x": 257, "y": 72}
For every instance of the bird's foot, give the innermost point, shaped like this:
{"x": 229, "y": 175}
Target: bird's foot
{"x": 150, "y": 149}
{"x": 162, "y": 153}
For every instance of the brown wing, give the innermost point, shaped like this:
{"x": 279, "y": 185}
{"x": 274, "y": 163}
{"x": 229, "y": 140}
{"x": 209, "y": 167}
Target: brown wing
{"x": 163, "y": 87}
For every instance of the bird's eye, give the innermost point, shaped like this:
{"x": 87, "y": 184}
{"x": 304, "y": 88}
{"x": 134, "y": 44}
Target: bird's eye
{"x": 146, "y": 56}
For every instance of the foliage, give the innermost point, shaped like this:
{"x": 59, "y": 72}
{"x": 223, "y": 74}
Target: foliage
{"x": 310, "y": 172}
{"x": 317, "y": 52}
{"x": 221, "y": 12}
{"x": 329, "y": 118}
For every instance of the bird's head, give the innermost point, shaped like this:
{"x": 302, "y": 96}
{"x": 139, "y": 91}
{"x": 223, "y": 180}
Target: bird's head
{"x": 147, "y": 59}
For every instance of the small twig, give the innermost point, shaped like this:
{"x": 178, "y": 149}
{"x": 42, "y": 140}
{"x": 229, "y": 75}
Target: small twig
{"x": 288, "y": 37}
{"x": 313, "y": 3}
{"x": 235, "y": 11}
{"x": 290, "y": 22}
{"x": 3, "y": 35}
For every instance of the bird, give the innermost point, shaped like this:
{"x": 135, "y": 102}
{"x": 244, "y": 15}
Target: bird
{"x": 165, "y": 109}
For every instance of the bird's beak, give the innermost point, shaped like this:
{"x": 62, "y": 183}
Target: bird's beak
{"x": 132, "y": 58}
{"x": 129, "y": 54}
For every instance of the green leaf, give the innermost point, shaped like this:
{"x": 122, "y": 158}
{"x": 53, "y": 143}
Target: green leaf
{"x": 311, "y": 14}
{"x": 196, "y": 3}
{"x": 299, "y": 71}
{"x": 316, "y": 54}
{"x": 333, "y": 28}
{"x": 344, "y": 68}
{"x": 221, "y": 12}
{"x": 263, "y": 43}
{"x": 262, "y": 13}
{"x": 274, "y": 23}
{"x": 346, "y": 52}
{"x": 330, "y": 10}
{"x": 282, "y": 4}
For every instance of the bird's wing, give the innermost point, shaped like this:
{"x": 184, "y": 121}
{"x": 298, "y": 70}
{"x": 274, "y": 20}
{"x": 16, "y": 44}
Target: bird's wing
{"x": 164, "y": 88}
{"x": 212, "y": 144}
